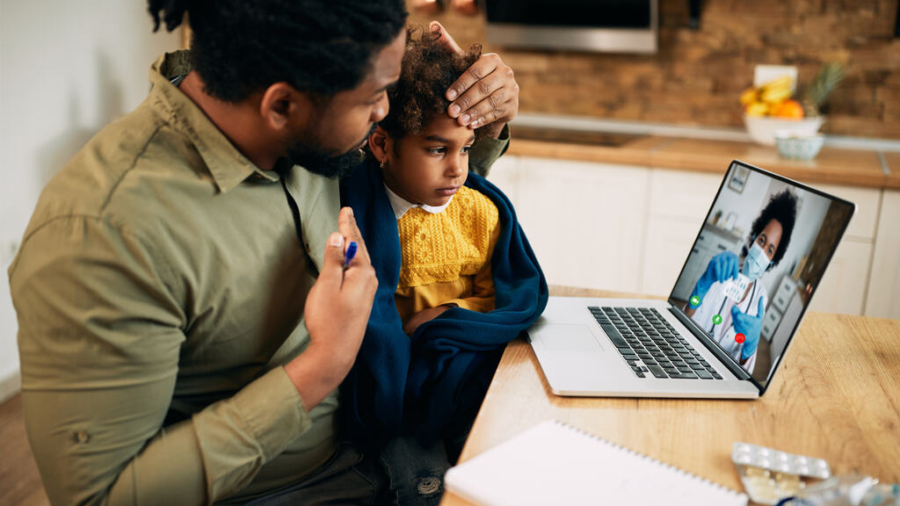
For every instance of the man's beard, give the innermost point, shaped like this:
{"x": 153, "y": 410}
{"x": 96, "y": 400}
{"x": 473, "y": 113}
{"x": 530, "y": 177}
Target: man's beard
{"x": 310, "y": 155}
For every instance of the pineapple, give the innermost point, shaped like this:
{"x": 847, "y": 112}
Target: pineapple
{"x": 818, "y": 91}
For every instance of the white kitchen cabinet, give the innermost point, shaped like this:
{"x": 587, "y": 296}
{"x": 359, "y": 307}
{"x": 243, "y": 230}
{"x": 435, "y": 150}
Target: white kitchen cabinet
{"x": 585, "y": 221}
{"x": 883, "y": 297}
{"x": 786, "y": 325}
{"x": 779, "y": 306}
{"x": 843, "y": 287}
{"x": 667, "y": 246}
{"x": 682, "y": 195}
{"x": 679, "y": 201}
{"x": 771, "y": 319}
{"x": 505, "y": 175}
{"x": 785, "y": 292}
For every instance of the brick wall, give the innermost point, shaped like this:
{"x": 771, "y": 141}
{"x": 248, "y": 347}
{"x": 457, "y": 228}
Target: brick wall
{"x": 696, "y": 76}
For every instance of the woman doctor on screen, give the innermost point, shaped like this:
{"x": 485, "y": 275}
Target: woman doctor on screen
{"x": 769, "y": 238}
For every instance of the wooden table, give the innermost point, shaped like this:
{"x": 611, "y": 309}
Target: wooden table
{"x": 836, "y": 396}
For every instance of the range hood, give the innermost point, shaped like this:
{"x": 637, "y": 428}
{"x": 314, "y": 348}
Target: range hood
{"x": 613, "y": 26}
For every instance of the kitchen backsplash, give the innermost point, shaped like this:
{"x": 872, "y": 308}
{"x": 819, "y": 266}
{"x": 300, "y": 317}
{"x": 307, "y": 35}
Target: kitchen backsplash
{"x": 697, "y": 76}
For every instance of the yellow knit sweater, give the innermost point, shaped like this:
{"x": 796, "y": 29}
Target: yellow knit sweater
{"x": 446, "y": 257}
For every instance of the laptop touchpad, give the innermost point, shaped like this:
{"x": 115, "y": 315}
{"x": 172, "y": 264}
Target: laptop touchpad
{"x": 568, "y": 338}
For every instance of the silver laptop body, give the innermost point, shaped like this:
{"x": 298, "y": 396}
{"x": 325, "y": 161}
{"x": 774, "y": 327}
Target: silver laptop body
{"x": 579, "y": 358}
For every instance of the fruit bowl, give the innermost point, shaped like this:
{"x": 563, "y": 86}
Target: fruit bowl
{"x": 762, "y": 128}
{"x": 798, "y": 147}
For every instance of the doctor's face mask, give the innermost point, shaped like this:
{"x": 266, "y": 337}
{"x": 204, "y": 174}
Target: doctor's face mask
{"x": 756, "y": 262}
{"x": 763, "y": 249}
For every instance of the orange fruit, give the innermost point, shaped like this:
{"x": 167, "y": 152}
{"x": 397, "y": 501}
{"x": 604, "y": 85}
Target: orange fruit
{"x": 789, "y": 109}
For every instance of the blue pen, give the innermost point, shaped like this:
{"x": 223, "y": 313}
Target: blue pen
{"x": 351, "y": 252}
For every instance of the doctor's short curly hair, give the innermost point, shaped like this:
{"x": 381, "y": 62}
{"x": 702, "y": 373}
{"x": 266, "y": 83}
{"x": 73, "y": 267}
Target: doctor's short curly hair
{"x": 782, "y": 208}
{"x": 420, "y": 94}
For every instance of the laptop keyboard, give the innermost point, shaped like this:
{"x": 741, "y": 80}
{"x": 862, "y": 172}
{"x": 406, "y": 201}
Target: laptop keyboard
{"x": 651, "y": 345}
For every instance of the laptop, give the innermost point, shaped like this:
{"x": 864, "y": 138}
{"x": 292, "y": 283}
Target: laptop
{"x": 740, "y": 297}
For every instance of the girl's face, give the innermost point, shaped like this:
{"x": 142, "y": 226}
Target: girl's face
{"x": 427, "y": 168}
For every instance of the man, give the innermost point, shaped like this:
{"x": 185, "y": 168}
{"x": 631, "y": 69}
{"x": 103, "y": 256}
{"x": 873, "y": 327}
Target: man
{"x": 185, "y": 315}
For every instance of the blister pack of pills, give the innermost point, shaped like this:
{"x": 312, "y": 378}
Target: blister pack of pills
{"x": 734, "y": 288}
{"x": 769, "y": 475}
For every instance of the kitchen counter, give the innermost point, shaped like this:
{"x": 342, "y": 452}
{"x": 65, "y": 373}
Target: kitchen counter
{"x": 851, "y": 167}
{"x": 892, "y": 160}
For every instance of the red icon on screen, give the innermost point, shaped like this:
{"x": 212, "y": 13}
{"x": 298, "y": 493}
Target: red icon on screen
{"x": 739, "y": 337}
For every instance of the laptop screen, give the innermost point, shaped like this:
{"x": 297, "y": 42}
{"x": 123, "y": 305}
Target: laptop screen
{"x": 759, "y": 256}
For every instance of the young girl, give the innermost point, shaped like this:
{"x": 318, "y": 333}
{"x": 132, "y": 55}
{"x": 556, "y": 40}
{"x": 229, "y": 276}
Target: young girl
{"x": 457, "y": 277}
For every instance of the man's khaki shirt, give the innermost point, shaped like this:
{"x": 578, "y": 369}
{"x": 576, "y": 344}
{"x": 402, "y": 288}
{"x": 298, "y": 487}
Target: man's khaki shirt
{"x": 159, "y": 289}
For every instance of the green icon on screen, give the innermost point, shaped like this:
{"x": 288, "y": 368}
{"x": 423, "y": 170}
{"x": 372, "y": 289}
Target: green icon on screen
{"x": 717, "y": 319}
{"x": 695, "y": 301}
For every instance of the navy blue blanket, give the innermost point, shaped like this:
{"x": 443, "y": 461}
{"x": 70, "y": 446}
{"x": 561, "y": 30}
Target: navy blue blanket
{"x": 432, "y": 383}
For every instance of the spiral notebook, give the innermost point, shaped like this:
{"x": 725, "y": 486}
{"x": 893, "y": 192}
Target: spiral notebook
{"x": 555, "y": 464}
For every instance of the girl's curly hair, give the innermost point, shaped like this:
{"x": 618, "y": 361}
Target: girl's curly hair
{"x": 420, "y": 93}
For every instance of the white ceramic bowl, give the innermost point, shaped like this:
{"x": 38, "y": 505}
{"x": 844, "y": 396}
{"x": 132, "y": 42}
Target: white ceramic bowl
{"x": 798, "y": 147}
{"x": 762, "y": 129}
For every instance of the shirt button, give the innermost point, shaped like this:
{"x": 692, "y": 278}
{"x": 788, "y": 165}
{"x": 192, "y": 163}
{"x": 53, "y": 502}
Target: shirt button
{"x": 82, "y": 436}
{"x": 308, "y": 249}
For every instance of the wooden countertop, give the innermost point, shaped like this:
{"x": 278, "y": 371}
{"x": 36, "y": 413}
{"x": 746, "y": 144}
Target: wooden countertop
{"x": 849, "y": 167}
{"x": 835, "y": 397}
{"x": 893, "y": 163}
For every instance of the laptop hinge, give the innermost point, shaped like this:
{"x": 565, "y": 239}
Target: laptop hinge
{"x": 723, "y": 357}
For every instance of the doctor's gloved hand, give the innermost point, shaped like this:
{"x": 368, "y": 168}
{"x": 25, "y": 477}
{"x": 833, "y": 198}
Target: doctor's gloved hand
{"x": 750, "y": 326}
{"x": 722, "y": 267}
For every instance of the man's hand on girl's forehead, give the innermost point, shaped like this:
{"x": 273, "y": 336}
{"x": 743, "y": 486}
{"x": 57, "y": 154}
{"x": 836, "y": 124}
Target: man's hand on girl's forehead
{"x": 487, "y": 93}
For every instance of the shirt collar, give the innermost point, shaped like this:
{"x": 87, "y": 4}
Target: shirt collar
{"x": 401, "y": 205}
{"x": 228, "y": 166}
